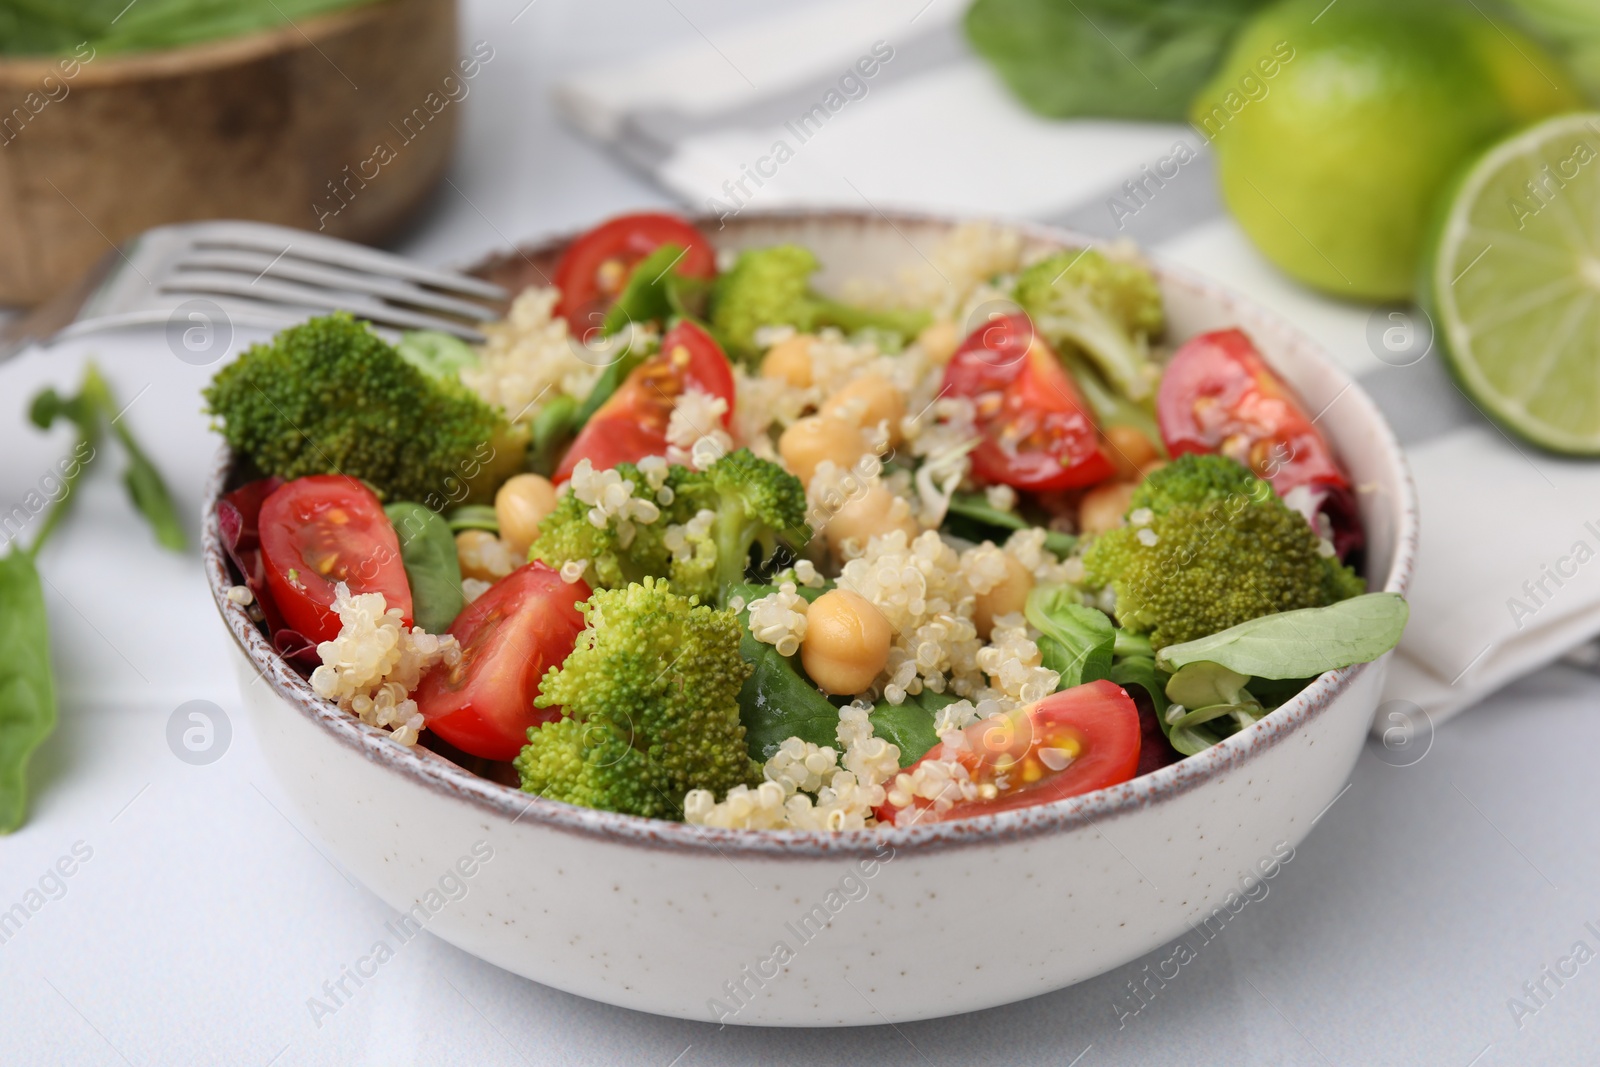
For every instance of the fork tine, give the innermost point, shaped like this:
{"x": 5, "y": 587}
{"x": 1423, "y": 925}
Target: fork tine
{"x": 212, "y": 283}
{"x": 320, "y": 248}
{"x": 257, "y": 265}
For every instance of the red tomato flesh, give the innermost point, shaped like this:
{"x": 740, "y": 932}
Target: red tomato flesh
{"x": 1072, "y": 742}
{"x": 1038, "y": 433}
{"x": 510, "y": 636}
{"x": 322, "y": 530}
{"x": 1219, "y": 395}
{"x": 595, "y": 267}
{"x": 632, "y": 423}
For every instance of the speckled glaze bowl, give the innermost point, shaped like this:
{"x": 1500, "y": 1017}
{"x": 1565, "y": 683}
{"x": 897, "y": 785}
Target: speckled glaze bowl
{"x": 814, "y": 929}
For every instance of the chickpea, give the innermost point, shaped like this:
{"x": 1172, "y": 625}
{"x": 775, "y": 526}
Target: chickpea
{"x": 866, "y": 515}
{"x": 790, "y": 360}
{"x": 483, "y": 556}
{"x": 520, "y": 506}
{"x": 1104, "y": 507}
{"x": 846, "y": 644}
{"x": 940, "y": 339}
{"x": 1130, "y": 450}
{"x": 1150, "y": 468}
{"x": 1009, "y": 594}
{"x": 809, "y": 441}
{"x": 867, "y": 401}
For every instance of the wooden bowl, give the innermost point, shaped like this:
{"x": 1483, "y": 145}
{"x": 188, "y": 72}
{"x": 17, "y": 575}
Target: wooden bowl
{"x": 343, "y": 123}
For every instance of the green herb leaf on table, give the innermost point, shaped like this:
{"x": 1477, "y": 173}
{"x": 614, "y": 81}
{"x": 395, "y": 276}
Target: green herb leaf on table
{"x": 1077, "y": 641}
{"x": 428, "y": 551}
{"x": 1303, "y": 643}
{"x": 27, "y": 690}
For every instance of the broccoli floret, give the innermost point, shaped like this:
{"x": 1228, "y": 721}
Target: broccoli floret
{"x": 331, "y": 396}
{"x": 756, "y": 502}
{"x": 1108, "y": 308}
{"x": 772, "y": 287}
{"x": 703, "y": 538}
{"x": 651, "y": 700}
{"x": 1217, "y": 548}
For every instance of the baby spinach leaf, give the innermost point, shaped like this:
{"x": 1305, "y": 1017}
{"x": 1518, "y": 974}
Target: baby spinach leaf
{"x": 647, "y": 297}
{"x": 1199, "y": 685}
{"x": 27, "y": 690}
{"x": 473, "y": 517}
{"x": 1142, "y": 672}
{"x": 428, "y": 551}
{"x": 610, "y": 380}
{"x": 778, "y": 701}
{"x": 1300, "y": 644}
{"x": 1077, "y": 640}
{"x": 972, "y": 516}
{"x": 1137, "y": 59}
{"x": 909, "y": 725}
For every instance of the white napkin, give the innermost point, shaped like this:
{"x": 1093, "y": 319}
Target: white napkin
{"x": 1499, "y": 590}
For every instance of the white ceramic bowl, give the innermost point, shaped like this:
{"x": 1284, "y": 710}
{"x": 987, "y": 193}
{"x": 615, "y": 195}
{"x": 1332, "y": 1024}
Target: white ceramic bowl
{"x": 814, "y": 929}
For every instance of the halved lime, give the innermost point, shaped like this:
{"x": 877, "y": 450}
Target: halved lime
{"x": 1514, "y": 283}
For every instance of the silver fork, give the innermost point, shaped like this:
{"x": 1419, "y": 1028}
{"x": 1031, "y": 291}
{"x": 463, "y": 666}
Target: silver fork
{"x": 255, "y": 275}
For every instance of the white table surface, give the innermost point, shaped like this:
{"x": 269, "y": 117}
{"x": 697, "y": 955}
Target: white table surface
{"x": 204, "y": 919}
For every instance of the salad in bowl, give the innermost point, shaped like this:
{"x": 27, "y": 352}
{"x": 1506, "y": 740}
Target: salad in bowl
{"x": 768, "y": 592}
{"x": 688, "y": 540}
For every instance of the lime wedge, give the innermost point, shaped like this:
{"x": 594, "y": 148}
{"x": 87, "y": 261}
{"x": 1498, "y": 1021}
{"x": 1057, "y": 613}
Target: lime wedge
{"x": 1514, "y": 283}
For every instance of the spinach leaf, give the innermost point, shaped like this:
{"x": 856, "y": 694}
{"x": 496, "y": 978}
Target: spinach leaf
{"x": 473, "y": 517}
{"x": 428, "y": 551}
{"x": 1200, "y": 685}
{"x": 1142, "y": 672}
{"x": 27, "y": 690}
{"x": 610, "y": 380}
{"x": 778, "y": 701}
{"x": 1138, "y": 59}
{"x": 436, "y": 354}
{"x": 909, "y": 726}
{"x": 1077, "y": 640}
{"x": 553, "y": 429}
{"x": 648, "y": 295}
{"x": 1300, "y": 644}
{"x": 978, "y": 520}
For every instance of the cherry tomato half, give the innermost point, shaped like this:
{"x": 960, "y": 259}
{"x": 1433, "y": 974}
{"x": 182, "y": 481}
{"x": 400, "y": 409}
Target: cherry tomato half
{"x": 1072, "y": 742}
{"x": 632, "y": 423}
{"x": 595, "y": 268}
{"x": 322, "y": 530}
{"x": 510, "y": 636}
{"x": 1038, "y": 433}
{"x": 1219, "y": 395}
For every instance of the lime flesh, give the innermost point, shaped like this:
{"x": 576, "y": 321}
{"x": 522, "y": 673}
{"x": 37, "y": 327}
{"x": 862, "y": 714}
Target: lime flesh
{"x": 1514, "y": 283}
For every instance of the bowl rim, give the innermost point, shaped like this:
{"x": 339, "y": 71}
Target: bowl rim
{"x": 441, "y": 776}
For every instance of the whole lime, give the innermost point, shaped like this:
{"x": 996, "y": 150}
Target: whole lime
{"x": 1336, "y": 125}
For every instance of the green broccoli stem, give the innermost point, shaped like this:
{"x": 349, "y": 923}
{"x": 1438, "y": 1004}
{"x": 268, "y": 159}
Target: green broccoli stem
{"x": 1128, "y": 644}
{"x": 850, "y": 319}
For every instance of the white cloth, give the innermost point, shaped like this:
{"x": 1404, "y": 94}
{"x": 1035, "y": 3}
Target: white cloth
{"x": 933, "y": 128}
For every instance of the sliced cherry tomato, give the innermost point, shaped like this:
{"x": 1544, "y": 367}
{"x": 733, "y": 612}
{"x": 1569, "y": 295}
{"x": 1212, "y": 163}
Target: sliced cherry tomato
{"x": 632, "y": 424}
{"x": 510, "y": 636}
{"x": 1071, "y": 742}
{"x": 595, "y": 268}
{"x": 1219, "y": 395}
{"x": 1038, "y": 433}
{"x": 322, "y": 530}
